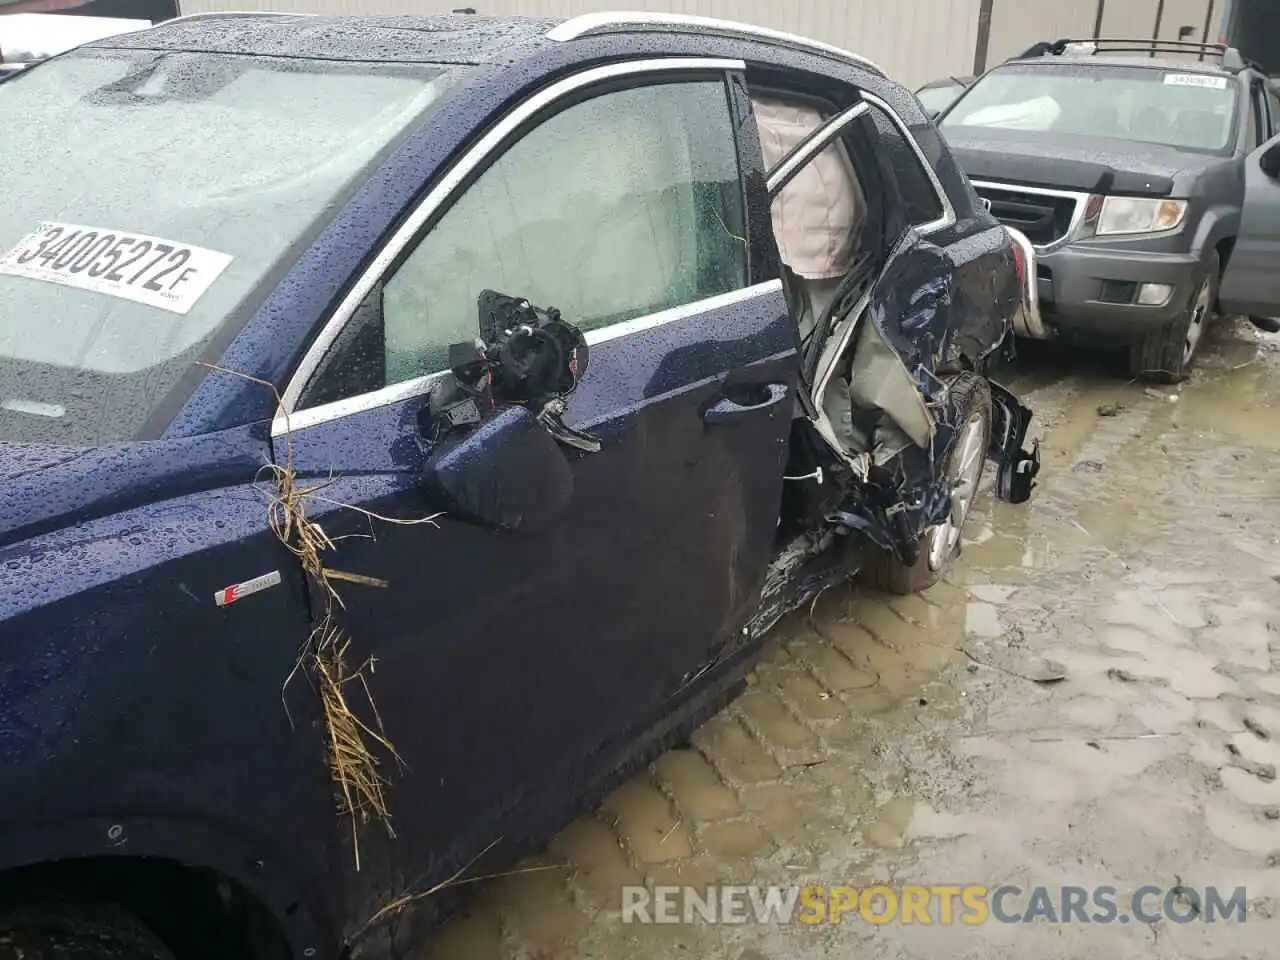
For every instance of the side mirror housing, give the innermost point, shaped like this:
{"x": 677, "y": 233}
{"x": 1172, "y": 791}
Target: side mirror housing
{"x": 1270, "y": 162}
{"x": 507, "y": 473}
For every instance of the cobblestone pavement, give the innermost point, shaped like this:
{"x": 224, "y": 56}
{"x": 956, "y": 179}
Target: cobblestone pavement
{"x": 907, "y": 741}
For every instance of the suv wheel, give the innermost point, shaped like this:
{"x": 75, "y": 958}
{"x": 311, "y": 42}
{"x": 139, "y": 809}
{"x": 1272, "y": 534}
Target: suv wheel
{"x": 77, "y": 932}
{"x": 1167, "y": 355}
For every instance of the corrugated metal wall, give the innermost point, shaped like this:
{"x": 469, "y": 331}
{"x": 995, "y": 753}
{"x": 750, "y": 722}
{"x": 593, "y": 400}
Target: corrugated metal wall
{"x": 1017, "y": 24}
{"x": 914, "y": 40}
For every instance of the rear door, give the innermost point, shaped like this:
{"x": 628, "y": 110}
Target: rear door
{"x": 511, "y": 665}
{"x": 868, "y": 178}
{"x": 1251, "y": 282}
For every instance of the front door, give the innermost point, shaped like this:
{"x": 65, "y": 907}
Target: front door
{"x": 508, "y": 664}
{"x": 1251, "y": 281}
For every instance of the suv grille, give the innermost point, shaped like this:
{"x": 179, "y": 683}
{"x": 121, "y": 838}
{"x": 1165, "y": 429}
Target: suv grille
{"x": 1043, "y": 217}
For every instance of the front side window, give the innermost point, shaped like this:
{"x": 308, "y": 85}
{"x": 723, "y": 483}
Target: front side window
{"x": 1273, "y": 104}
{"x": 1261, "y": 122}
{"x": 148, "y": 200}
{"x": 617, "y": 207}
{"x": 1181, "y": 109}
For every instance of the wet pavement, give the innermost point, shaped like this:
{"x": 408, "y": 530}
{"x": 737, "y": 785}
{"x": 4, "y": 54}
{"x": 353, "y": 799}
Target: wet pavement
{"x": 913, "y": 740}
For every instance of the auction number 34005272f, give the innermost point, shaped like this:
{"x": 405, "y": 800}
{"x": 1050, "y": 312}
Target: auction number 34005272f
{"x": 146, "y": 269}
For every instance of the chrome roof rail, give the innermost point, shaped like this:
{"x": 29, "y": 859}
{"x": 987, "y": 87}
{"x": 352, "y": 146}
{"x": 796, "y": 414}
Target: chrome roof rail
{"x": 604, "y": 21}
{"x": 229, "y": 14}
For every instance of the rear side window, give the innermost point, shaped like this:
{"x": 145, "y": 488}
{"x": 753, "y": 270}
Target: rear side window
{"x": 919, "y": 196}
{"x": 617, "y": 207}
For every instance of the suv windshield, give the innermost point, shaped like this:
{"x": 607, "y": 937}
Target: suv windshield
{"x": 1185, "y": 110}
{"x": 148, "y": 198}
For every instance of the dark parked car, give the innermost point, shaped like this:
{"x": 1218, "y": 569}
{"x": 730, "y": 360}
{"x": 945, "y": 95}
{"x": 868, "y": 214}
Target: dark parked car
{"x": 1123, "y": 162}
{"x": 937, "y": 95}
{"x": 542, "y": 364}
{"x": 7, "y": 70}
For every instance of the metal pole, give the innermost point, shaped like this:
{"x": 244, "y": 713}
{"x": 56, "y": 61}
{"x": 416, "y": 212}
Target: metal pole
{"x": 983, "y": 44}
{"x": 1097, "y": 20}
{"x": 1155, "y": 32}
{"x": 1208, "y": 19}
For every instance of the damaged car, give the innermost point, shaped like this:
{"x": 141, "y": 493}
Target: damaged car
{"x": 1120, "y": 166}
{"x": 409, "y": 425}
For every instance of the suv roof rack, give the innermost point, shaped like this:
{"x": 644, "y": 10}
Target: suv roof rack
{"x": 1228, "y": 58}
{"x": 618, "y": 20}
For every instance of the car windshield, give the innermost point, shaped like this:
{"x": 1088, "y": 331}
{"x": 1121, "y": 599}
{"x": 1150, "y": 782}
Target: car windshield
{"x": 1185, "y": 110}
{"x": 149, "y": 200}
{"x": 937, "y": 99}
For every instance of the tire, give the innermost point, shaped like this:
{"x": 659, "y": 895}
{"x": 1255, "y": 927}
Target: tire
{"x": 1167, "y": 355}
{"x": 77, "y": 932}
{"x": 969, "y": 400}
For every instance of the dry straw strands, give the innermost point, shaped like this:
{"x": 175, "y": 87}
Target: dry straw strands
{"x": 351, "y": 741}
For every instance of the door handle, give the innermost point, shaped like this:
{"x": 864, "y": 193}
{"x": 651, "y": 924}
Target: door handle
{"x": 742, "y": 402}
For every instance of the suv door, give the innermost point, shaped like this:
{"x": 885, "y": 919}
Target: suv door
{"x": 510, "y": 665}
{"x": 1251, "y": 281}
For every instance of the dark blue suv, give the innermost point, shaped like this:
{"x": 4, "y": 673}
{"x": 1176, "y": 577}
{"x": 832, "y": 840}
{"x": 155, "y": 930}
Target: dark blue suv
{"x": 408, "y": 424}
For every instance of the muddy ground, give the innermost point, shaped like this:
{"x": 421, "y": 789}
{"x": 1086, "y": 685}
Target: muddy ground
{"x": 905, "y": 741}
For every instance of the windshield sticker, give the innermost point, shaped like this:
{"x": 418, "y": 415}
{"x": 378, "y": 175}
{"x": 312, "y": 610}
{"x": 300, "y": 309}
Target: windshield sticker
{"x": 1195, "y": 80}
{"x": 132, "y": 266}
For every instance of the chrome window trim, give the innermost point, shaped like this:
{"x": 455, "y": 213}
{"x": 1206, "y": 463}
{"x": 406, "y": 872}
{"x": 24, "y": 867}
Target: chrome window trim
{"x": 587, "y": 23}
{"x": 286, "y": 422}
{"x": 818, "y": 141}
{"x": 440, "y": 194}
{"x": 948, "y": 217}
{"x": 1077, "y": 215}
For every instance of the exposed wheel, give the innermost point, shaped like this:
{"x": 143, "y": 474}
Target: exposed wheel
{"x": 66, "y": 932}
{"x": 969, "y": 402}
{"x": 1167, "y": 355}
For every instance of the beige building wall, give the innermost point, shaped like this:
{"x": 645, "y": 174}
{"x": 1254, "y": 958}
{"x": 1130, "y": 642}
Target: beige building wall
{"x": 1017, "y": 24}
{"x": 914, "y": 40}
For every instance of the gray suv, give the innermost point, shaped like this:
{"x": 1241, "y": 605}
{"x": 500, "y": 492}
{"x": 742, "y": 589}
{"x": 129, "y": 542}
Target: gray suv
{"x": 1123, "y": 164}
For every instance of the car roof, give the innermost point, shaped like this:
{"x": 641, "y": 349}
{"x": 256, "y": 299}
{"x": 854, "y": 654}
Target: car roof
{"x": 444, "y": 39}
{"x": 449, "y": 39}
{"x": 1167, "y": 64}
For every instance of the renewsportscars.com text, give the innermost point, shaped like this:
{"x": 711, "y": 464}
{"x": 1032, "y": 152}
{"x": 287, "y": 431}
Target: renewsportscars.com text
{"x": 941, "y": 904}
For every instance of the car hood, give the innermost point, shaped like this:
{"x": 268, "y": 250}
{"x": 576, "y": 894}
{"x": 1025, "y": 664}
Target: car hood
{"x": 47, "y": 486}
{"x": 1098, "y": 165}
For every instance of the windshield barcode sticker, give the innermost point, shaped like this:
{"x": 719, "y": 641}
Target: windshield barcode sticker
{"x": 132, "y": 266}
{"x": 1195, "y": 80}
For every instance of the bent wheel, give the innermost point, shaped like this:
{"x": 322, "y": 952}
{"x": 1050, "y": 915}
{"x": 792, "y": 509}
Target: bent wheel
{"x": 969, "y": 402}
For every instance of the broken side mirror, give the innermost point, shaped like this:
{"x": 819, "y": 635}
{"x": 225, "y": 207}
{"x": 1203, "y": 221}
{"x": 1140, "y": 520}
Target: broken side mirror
{"x": 508, "y": 473}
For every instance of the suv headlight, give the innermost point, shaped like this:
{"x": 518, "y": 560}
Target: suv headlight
{"x": 1132, "y": 215}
